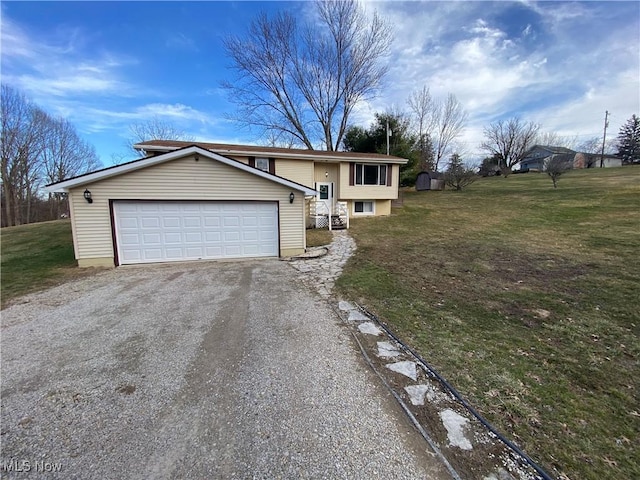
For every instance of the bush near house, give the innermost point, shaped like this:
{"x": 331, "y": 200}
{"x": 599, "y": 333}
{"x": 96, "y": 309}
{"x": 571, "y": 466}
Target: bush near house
{"x": 526, "y": 299}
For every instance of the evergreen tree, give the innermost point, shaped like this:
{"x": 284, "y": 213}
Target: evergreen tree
{"x": 629, "y": 141}
{"x": 458, "y": 175}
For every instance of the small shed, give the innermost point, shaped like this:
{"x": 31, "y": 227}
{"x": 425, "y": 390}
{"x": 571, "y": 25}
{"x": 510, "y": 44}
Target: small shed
{"x": 423, "y": 181}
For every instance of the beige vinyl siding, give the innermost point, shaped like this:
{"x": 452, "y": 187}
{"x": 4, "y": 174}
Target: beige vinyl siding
{"x": 180, "y": 179}
{"x": 381, "y": 207}
{"x": 321, "y": 169}
{"x": 368, "y": 192}
{"x": 299, "y": 171}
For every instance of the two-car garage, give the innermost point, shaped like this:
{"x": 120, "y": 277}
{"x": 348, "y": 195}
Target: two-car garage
{"x": 161, "y": 231}
{"x": 188, "y": 204}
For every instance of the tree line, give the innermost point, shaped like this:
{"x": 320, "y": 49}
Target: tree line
{"x": 37, "y": 149}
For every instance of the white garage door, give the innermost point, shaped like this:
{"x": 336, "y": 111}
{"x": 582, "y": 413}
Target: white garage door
{"x": 172, "y": 231}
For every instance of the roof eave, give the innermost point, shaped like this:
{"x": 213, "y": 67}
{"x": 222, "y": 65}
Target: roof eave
{"x": 66, "y": 185}
{"x": 297, "y": 155}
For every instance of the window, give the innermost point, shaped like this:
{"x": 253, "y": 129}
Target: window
{"x": 262, "y": 164}
{"x": 363, "y": 208}
{"x": 371, "y": 174}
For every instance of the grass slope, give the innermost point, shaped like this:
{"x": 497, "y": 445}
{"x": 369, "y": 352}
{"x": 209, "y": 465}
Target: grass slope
{"x": 35, "y": 256}
{"x": 526, "y": 298}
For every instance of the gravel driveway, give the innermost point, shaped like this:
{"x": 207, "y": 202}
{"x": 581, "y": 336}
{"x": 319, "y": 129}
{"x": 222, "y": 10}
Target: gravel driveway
{"x": 199, "y": 371}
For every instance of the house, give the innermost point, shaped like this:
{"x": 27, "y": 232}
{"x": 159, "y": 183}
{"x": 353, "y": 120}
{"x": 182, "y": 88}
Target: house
{"x": 538, "y": 156}
{"x": 595, "y": 160}
{"x": 186, "y": 201}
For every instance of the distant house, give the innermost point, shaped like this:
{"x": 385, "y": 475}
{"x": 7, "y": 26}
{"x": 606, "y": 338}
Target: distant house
{"x": 593, "y": 160}
{"x": 538, "y": 156}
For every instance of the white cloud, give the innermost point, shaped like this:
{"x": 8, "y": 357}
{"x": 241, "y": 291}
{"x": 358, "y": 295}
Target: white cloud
{"x": 561, "y": 67}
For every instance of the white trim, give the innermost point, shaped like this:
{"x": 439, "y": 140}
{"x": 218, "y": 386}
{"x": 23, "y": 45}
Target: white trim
{"x": 377, "y": 184}
{"x": 65, "y": 185}
{"x": 255, "y": 153}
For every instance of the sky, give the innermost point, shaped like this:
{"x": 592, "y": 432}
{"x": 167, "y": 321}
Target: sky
{"x": 106, "y": 65}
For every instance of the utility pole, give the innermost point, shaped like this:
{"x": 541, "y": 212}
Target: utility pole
{"x": 389, "y": 133}
{"x": 604, "y": 137}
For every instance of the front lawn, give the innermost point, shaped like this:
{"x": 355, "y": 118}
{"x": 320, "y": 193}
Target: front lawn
{"x": 526, "y": 298}
{"x": 35, "y": 256}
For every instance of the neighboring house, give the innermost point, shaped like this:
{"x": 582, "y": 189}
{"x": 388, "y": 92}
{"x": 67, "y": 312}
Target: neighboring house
{"x": 537, "y": 157}
{"x": 595, "y": 160}
{"x": 208, "y": 201}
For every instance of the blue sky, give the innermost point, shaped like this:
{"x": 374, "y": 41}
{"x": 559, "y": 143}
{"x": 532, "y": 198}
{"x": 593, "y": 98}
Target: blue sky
{"x": 105, "y": 65}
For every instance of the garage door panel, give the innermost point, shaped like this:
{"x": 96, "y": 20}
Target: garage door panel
{"x": 232, "y": 251}
{"x": 171, "y": 231}
{"x": 251, "y": 236}
{"x": 192, "y": 222}
{"x": 192, "y": 237}
{"x": 130, "y": 239}
{"x": 231, "y": 221}
{"x": 194, "y": 253}
{"x": 172, "y": 238}
{"x": 170, "y": 207}
{"x": 210, "y": 221}
{"x": 174, "y": 253}
{"x": 213, "y": 237}
{"x": 214, "y": 252}
{"x": 149, "y": 207}
{"x": 152, "y": 238}
{"x": 171, "y": 222}
{"x": 231, "y": 236}
{"x": 150, "y": 222}
{"x": 129, "y": 223}
{"x": 250, "y": 221}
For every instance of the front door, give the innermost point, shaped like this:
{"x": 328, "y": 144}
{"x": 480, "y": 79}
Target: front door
{"x": 325, "y": 196}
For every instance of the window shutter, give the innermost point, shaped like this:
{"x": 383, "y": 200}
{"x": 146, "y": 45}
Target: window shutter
{"x": 352, "y": 173}
{"x": 252, "y": 162}
{"x": 272, "y": 166}
{"x": 389, "y": 175}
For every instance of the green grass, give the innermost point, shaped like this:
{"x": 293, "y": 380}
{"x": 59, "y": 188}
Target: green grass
{"x": 527, "y": 299}
{"x": 35, "y": 256}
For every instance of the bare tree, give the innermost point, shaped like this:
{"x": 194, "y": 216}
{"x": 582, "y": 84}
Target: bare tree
{"x": 304, "y": 81}
{"x": 593, "y": 145}
{"x": 509, "y": 141}
{"x": 34, "y": 148}
{"x": 153, "y": 129}
{"x": 422, "y": 107}
{"x": 449, "y": 120}
{"x": 556, "y": 140}
{"x": 22, "y": 140}
{"x": 555, "y": 167}
{"x": 65, "y": 155}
